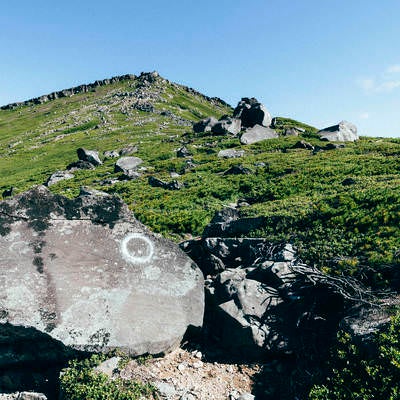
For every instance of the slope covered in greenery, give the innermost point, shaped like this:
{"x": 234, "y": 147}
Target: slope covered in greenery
{"x": 341, "y": 207}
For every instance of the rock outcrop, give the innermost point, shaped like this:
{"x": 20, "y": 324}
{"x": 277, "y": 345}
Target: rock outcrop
{"x": 90, "y": 156}
{"x": 256, "y": 134}
{"x": 342, "y": 132}
{"x": 68, "y": 92}
{"x": 87, "y": 274}
{"x": 251, "y": 112}
{"x": 205, "y": 125}
{"x": 259, "y": 299}
{"x": 58, "y": 176}
{"x": 227, "y": 125}
{"x": 128, "y": 166}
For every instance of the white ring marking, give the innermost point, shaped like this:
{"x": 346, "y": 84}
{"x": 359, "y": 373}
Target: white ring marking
{"x": 132, "y": 258}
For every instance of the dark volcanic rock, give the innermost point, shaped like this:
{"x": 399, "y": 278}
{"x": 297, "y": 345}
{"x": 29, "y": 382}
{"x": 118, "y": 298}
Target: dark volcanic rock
{"x": 173, "y": 185}
{"x": 68, "y": 92}
{"x": 183, "y": 152}
{"x": 87, "y": 274}
{"x": 90, "y": 156}
{"x": 302, "y": 144}
{"x": 227, "y": 125}
{"x": 238, "y": 170}
{"x": 79, "y": 165}
{"x": 8, "y": 192}
{"x": 251, "y": 112}
{"x": 204, "y": 125}
{"x": 229, "y": 224}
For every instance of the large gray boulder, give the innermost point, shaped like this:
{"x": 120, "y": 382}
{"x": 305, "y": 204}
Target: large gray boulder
{"x": 205, "y": 125}
{"x": 87, "y": 274}
{"x": 128, "y": 165}
{"x": 226, "y": 126}
{"x": 251, "y": 112}
{"x": 91, "y": 156}
{"x": 342, "y": 132}
{"x": 256, "y": 134}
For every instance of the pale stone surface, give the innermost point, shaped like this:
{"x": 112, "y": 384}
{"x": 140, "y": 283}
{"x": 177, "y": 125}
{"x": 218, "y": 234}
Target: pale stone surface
{"x": 88, "y": 274}
{"x": 127, "y": 165}
{"x": 22, "y": 396}
{"x": 227, "y": 125}
{"x": 256, "y": 134}
{"x": 230, "y": 153}
{"x": 342, "y": 132}
{"x": 59, "y": 176}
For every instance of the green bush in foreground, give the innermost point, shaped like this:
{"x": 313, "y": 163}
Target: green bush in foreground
{"x": 79, "y": 381}
{"x": 356, "y": 377}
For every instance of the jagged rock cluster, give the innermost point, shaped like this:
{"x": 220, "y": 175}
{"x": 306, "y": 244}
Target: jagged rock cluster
{"x": 68, "y": 92}
{"x": 252, "y": 122}
{"x": 249, "y": 115}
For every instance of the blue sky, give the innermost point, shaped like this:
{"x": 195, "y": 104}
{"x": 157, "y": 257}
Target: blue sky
{"x": 315, "y": 61}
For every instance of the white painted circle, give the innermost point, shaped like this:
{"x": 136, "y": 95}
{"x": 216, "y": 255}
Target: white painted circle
{"x": 137, "y": 257}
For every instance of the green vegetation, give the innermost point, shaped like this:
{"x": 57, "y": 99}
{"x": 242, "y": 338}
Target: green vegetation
{"x": 80, "y": 381}
{"x": 355, "y": 376}
{"x": 340, "y": 207}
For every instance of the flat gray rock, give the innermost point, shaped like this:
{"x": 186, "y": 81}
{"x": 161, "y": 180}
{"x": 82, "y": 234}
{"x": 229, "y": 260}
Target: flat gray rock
{"x": 89, "y": 275}
{"x": 23, "y": 396}
{"x": 342, "y": 132}
{"x": 230, "y": 153}
{"x": 58, "y": 176}
{"x": 256, "y": 134}
{"x": 127, "y": 165}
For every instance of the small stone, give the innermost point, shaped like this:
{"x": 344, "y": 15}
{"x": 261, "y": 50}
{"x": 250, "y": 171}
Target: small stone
{"x": 198, "y": 364}
{"x": 230, "y": 369}
{"x": 181, "y": 367}
{"x": 109, "y": 366}
{"x": 246, "y": 396}
{"x": 111, "y": 154}
{"x": 58, "y": 176}
{"x": 165, "y": 389}
{"x": 231, "y": 153}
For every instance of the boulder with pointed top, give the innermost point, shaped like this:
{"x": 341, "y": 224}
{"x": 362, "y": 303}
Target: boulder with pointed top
{"x": 342, "y": 132}
{"x": 251, "y": 112}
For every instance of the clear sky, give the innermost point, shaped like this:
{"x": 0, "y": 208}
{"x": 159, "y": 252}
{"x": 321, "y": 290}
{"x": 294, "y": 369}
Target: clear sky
{"x": 318, "y": 61}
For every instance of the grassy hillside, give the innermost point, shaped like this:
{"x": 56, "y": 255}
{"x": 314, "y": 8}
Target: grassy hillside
{"x": 341, "y": 207}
